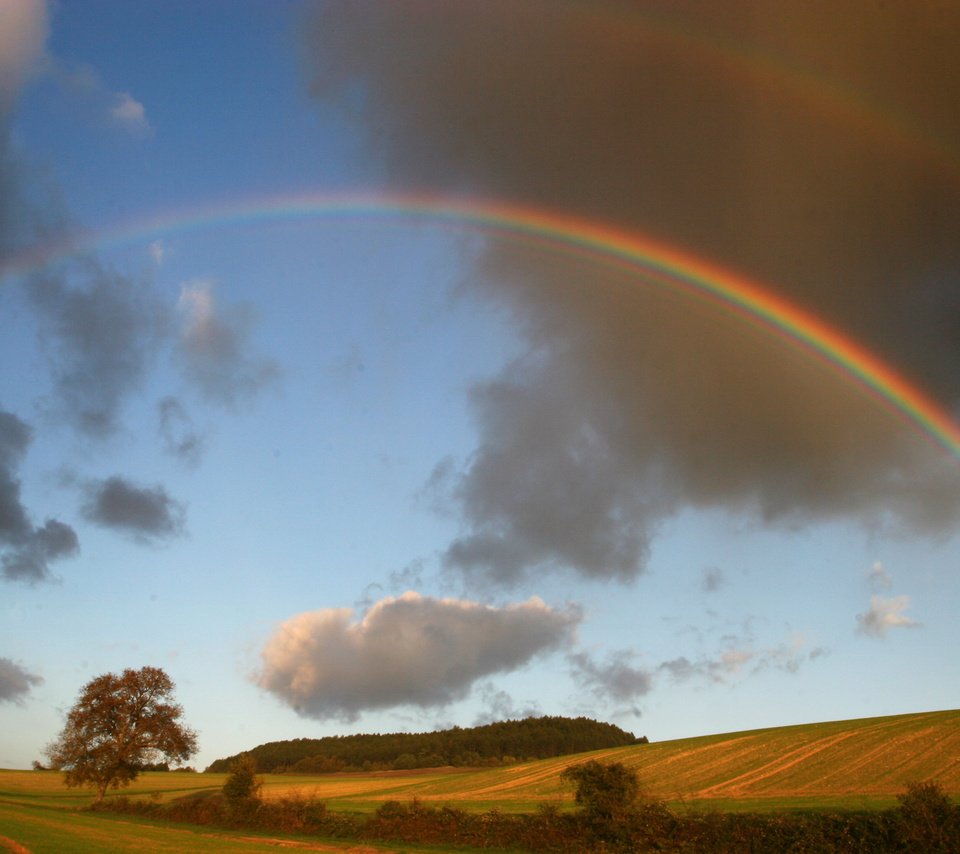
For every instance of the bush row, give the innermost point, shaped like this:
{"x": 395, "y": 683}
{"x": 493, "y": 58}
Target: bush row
{"x": 925, "y": 821}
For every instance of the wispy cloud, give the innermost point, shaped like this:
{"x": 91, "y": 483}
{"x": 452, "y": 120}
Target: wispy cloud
{"x": 741, "y": 657}
{"x": 616, "y": 679}
{"x": 878, "y": 578}
{"x": 180, "y": 438}
{"x": 498, "y": 705}
{"x": 101, "y": 334}
{"x": 117, "y": 109}
{"x": 884, "y": 615}
{"x": 409, "y": 650}
{"x": 214, "y": 347}
{"x": 713, "y": 579}
{"x": 129, "y": 113}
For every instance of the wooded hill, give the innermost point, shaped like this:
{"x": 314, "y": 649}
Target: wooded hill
{"x": 493, "y": 744}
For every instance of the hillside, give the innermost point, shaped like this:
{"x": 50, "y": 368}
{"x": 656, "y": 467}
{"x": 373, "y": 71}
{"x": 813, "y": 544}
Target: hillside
{"x": 872, "y": 758}
{"x": 491, "y": 744}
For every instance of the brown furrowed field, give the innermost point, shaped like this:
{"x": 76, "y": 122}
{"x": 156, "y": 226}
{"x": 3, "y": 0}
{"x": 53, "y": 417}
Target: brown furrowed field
{"x": 860, "y": 764}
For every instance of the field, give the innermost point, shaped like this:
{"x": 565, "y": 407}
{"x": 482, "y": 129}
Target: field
{"x": 861, "y": 764}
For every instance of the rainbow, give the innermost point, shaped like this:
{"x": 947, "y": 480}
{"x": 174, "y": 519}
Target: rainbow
{"x": 650, "y": 259}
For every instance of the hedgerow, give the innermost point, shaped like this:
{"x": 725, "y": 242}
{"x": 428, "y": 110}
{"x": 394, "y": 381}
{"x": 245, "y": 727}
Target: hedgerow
{"x": 925, "y": 822}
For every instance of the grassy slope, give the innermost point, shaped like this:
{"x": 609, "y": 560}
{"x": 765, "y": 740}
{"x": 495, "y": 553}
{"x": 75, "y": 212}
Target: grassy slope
{"x": 838, "y": 764}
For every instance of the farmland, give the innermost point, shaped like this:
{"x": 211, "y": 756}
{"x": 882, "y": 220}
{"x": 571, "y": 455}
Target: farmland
{"x": 861, "y": 764}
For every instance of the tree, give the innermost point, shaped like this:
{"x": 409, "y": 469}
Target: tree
{"x": 242, "y": 783}
{"x": 118, "y": 725}
{"x": 607, "y": 793}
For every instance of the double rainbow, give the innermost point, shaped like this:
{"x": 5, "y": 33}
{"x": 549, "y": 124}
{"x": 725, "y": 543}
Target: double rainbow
{"x": 651, "y": 260}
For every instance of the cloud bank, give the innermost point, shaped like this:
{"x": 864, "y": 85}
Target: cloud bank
{"x": 409, "y": 650}
{"x": 632, "y": 401}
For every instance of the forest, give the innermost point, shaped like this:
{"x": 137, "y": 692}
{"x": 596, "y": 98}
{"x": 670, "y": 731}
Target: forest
{"x": 499, "y": 743}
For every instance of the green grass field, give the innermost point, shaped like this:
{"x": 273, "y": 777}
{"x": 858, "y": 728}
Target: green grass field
{"x": 861, "y": 764}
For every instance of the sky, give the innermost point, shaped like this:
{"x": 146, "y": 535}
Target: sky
{"x": 378, "y": 367}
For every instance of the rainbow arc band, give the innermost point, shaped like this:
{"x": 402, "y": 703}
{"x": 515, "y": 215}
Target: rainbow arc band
{"x": 651, "y": 260}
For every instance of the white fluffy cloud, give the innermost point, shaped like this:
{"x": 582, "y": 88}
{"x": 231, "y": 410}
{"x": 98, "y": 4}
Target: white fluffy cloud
{"x": 883, "y": 615}
{"x": 129, "y": 113}
{"x": 409, "y": 650}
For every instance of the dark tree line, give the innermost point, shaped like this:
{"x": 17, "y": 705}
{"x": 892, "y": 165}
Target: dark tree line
{"x": 492, "y": 744}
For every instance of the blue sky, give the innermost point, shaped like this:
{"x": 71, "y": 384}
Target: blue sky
{"x": 375, "y": 473}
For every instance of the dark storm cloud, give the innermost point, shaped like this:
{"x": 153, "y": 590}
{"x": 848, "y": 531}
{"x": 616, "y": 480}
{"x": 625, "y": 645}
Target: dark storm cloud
{"x": 565, "y": 503}
{"x": 409, "y": 650}
{"x": 214, "y": 348}
{"x": 25, "y": 551}
{"x": 15, "y": 682}
{"x": 147, "y": 513}
{"x": 812, "y": 147}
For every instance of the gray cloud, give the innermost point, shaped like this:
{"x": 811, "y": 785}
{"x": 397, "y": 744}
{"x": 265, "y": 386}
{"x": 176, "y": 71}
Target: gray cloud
{"x": 544, "y": 487}
{"x": 100, "y": 335}
{"x": 213, "y": 348}
{"x": 681, "y": 119}
{"x": 884, "y": 615}
{"x": 498, "y": 705}
{"x": 180, "y": 439}
{"x": 146, "y": 513}
{"x": 98, "y": 328}
{"x": 713, "y": 579}
{"x": 30, "y": 560}
{"x": 15, "y": 682}
{"x": 25, "y": 551}
{"x": 15, "y": 436}
{"x": 616, "y": 679}
{"x": 410, "y": 650}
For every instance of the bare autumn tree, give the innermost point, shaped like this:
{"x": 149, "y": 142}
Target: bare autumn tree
{"x": 118, "y": 725}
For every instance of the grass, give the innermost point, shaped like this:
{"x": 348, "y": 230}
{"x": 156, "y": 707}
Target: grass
{"x": 840, "y": 765}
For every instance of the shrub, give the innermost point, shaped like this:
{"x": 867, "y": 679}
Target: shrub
{"x": 242, "y": 783}
{"x": 927, "y": 818}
